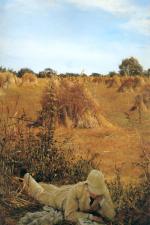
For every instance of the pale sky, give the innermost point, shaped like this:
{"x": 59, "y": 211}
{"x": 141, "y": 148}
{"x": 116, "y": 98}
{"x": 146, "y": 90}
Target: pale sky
{"x": 72, "y": 35}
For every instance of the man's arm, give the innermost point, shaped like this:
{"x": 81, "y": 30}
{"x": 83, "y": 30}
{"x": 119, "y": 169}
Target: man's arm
{"x": 72, "y": 212}
{"x": 107, "y": 208}
{"x": 72, "y": 207}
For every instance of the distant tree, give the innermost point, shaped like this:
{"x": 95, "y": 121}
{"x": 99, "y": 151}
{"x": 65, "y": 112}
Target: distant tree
{"x": 147, "y": 72}
{"x": 65, "y": 75}
{"x": 61, "y": 74}
{"x": 48, "y": 72}
{"x": 83, "y": 75}
{"x": 22, "y": 71}
{"x": 130, "y": 67}
{"x": 95, "y": 75}
{"x": 12, "y": 71}
{"x": 2, "y": 69}
{"x": 72, "y": 74}
{"x": 112, "y": 73}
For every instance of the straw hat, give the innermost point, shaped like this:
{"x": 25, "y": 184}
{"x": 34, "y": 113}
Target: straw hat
{"x": 96, "y": 182}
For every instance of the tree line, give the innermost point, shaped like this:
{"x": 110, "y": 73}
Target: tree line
{"x": 128, "y": 67}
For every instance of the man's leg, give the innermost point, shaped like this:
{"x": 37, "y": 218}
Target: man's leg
{"x": 37, "y": 191}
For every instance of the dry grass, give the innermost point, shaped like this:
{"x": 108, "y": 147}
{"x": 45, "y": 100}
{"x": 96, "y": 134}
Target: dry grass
{"x": 119, "y": 146}
{"x": 29, "y": 79}
{"x": 131, "y": 200}
{"x": 76, "y": 106}
{"x": 7, "y": 80}
{"x": 114, "y": 82}
{"x": 131, "y": 84}
{"x": 141, "y": 103}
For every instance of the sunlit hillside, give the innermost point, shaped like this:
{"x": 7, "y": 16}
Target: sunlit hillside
{"x": 60, "y": 127}
{"x": 118, "y": 138}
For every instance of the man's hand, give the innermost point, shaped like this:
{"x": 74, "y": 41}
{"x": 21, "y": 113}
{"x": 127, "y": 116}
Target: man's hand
{"x": 100, "y": 198}
{"x": 96, "y": 204}
{"x": 97, "y": 219}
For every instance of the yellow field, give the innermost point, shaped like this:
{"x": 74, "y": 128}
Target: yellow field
{"x": 120, "y": 146}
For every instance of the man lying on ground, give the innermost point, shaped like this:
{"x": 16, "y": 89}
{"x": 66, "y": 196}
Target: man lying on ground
{"x": 89, "y": 199}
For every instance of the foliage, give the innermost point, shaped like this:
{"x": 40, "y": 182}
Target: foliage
{"x": 130, "y": 67}
{"x": 131, "y": 200}
{"x": 48, "y": 72}
{"x": 22, "y": 71}
{"x": 95, "y": 75}
{"x": 147, "y": 72}
{"x": 112, "y": 73}
{"x": 67, "y": 75}
{"x": 35, "y": 151}
{"x": 2, "y": 69}
{"x": 80, "y": 170}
